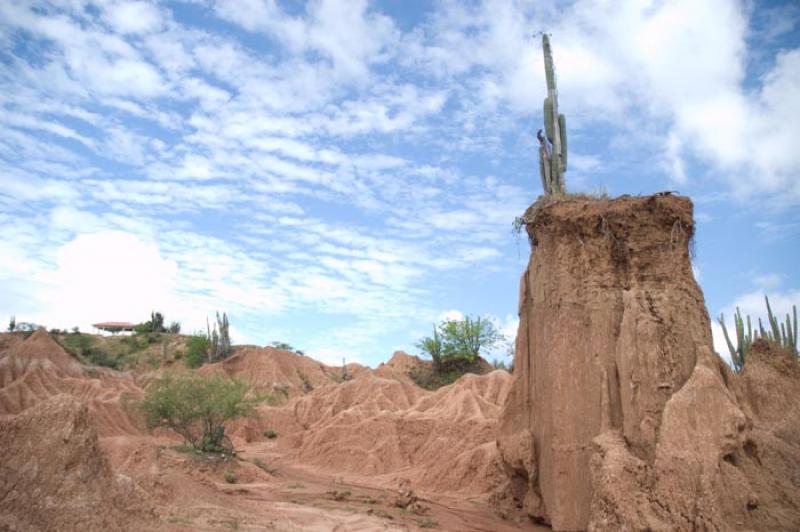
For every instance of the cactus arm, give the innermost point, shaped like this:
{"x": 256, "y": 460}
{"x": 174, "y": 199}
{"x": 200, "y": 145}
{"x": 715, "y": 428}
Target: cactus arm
{"x": 776, "y": 332}
{"x": 741, "y": 341}
{"x": 794, "y": 330}
{"x": 548, "y": 63}
{"x": 562, "y": 128}
{"x": 544, "y": 170}
{"x": 734, "y": 354}
{"x": 548, "y": 119}
{"x": 789, "y": 334}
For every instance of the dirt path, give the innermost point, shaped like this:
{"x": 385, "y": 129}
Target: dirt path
{"x": 279, "y": 494}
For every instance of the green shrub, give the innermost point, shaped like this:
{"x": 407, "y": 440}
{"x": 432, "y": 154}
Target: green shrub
{"x": 134, "y": 343}
{"x": 196, "y": 408}
{"x": 196, "y": 351}
{"x": 270, "y": 434}
{"x": 83, "y": 347}
{"x": 230, "y": 476}
{"x": 466, "y": 338}
{"x": 154, "y": 324}
{"x": 459, "y": 339}
{"x": 283, "y": 346}
{"x": 433, "y": 347}
{"x": 99, "y": 357}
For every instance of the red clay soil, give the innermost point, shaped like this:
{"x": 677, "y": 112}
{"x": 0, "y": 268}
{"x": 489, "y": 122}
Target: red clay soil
{"x": 53, "y": 476}
{"x": 615, "y": 375}
{"x": 281, "y": 373}
{"x": 369, "y": 453}
{"x": 38, "y": 368}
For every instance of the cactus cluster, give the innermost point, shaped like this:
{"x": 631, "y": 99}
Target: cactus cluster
{"x": 784, "y": 334}
{"x": 553, "y": 144}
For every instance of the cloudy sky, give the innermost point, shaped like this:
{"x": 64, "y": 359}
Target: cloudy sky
{"x": 339, "y": 174}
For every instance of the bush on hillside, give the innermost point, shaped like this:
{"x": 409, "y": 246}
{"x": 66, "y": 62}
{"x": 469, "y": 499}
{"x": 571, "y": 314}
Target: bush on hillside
{"x": 84, "y": 348}
{"x": 282, "y": 346}
{"x": 454, "y": 349}
{"x": 197, "y": 408}
{"x": 196, "y": 351}
{"x": 459, "y": 339}
{"x": 154, "y": 325}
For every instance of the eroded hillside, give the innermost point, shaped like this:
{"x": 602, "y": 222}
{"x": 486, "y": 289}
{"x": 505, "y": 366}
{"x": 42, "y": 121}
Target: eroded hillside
{"x": 372, "y": 451}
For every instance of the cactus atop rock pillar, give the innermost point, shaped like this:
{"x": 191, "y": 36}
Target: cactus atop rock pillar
{"x": 553, "y": 143}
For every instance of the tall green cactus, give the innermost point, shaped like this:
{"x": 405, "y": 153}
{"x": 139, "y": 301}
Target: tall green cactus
{"x": 562, "y": 128}
{"x": 553, "y": 148}
{"x": 743, "y": 340}
{"x": 784, "y": 334}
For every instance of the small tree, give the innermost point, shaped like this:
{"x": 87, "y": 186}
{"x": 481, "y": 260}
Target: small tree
{"x": 196, "y": 408}
{"x": 467, "y": 337}
{"x": 157, "y": 322}
{"x": 12, "y": 324}
{"x": 463, "y": 339}
{"x": 174, "y": 327}
{"x": 433, "y": 347}
{"x": 154, "y": 324}
{"x": 196, "y": 351}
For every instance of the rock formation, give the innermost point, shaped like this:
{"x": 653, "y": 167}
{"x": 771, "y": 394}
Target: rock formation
{"x": 53, "y": 475}
{"x": 36, "y": 368}
{"x": 620, "y": 414}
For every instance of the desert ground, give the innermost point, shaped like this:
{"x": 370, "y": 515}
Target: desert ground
{"x": 374, "y": 452}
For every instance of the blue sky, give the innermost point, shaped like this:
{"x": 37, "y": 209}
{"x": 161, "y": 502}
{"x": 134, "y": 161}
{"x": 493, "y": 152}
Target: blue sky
{"x": 340, "y": 174}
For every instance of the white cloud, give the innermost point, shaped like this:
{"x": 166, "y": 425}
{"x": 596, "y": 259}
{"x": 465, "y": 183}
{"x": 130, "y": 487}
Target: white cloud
{"x": 133, "y": 17}
{"x": 450, "y": 315}
{"x": 345, "y": 32}
{"x": 509, "y": 326}
{"x": 107, "y": 276}
{"x": 768, "y": 281}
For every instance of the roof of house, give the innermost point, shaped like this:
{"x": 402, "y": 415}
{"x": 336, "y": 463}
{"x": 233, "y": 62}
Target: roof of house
{"x": 114, "y": 325}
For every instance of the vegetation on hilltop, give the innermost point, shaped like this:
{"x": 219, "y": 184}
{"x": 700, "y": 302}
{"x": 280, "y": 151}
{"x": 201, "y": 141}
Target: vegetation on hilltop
{"x": 454, "y": 349}
{"x": 783, "y": 334}
{"x": 156, "y": 324}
